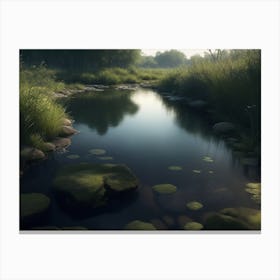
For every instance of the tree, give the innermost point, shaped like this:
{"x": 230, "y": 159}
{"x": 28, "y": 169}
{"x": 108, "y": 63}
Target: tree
{"x": 172, "y": 58}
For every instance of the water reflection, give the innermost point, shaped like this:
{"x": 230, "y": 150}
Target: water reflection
{"x": 102, "y": 110}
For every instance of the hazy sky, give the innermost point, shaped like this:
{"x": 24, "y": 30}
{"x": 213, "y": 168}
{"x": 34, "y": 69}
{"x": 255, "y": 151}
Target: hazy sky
{"x": 187, "y": 52}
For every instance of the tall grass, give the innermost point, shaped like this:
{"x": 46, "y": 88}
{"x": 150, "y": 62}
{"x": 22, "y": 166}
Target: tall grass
{"x": 41, "y": 117}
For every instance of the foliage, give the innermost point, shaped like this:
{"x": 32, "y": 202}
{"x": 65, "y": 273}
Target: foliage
{"x": 41, "y": 117}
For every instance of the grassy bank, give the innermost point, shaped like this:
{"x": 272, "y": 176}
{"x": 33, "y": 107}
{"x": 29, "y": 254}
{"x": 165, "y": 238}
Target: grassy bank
{"x": 113, "y": 76}
{"x": 231, "y": 88}
{"x": 41, "y": 117}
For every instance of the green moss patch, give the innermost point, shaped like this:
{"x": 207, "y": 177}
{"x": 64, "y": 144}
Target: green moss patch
{"x": 194, "y": 205}
{"x": 193, "y": 226}
{"x": 175, "y": 168}
{"x": 87, "y": 184}
{"x": 165, "y": 188}
{"x": 139, "y": 225}
{"x": 97, "y": 152}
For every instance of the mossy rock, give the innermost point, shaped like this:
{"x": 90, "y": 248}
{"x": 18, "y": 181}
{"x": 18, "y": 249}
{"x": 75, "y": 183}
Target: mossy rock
{"x": 234, "y": 219}
{"x": 73, "y": 156}
{"x": 165, "y": 188}
{"x": 61, "y": 143}
{"x": 97, "y": 152}
{"x": 30, "y": 154}
{"x": 193, "y": 226}
{"x": 139, "y": 225}
{"x": 194, "y": 205}
{"x": 255, "y": 190}
{"x": 175, "y": 168}
{"x": 67, "y": 130}
{"x": 33, "y": 206}
{"x": 48, "y": 147}
{"x": 87, "y": 185}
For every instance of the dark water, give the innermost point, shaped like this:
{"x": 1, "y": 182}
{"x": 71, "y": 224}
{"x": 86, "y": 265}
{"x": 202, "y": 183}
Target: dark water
{"x": 148, "y": 134}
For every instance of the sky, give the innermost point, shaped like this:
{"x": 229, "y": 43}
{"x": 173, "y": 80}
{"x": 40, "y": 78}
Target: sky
{"x": 187, "y": 52}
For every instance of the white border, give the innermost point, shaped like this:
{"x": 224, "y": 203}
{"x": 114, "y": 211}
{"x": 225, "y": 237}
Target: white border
{"x": 133, "y": 24}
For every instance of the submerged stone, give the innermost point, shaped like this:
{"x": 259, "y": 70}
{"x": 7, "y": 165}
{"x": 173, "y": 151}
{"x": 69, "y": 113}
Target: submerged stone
{"x": 87, "y": 185}
{"x": 165, "y": 188}
{"x": 139, "y": 225}
{"x": 240, "y": 218}
{"x": 194, "y": 205}
{"x": 97, "y": 152}
{"x": 193, "y": 226}
{"x": 175, "y": 168}
{"x": 33, "y": 205}
{"x": 73, "y": 156}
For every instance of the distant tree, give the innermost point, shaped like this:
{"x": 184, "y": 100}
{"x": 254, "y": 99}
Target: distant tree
{"x": 172, "y": 58}
{"x": 147, "y": 62}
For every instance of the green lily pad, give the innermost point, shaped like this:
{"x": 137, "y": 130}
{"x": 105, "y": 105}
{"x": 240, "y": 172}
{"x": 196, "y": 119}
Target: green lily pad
{"x": 193, "y": 226}
{"x": 194, "y": 205}
{"x": 106, "y": 158}
{"x": 210, "y": 172}
{"x": 139, "y": 225}
{"x": 175, "y": 168}
{"x": 73, "y": 156}
{"x": 97, "y": 152}
{"x": 196, "y": 171}
{"x": 165, "y": 188}
{"x": 207, "y": 159}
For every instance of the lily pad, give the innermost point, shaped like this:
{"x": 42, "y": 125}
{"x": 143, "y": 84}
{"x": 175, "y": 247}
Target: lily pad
{"x": 106, "y": 158}
{"x": 194, "y": 205}
{"x": 73, "y": 156}
{"x": 97, "y": 152}
{"x": 165, "y": 188}
{"x": 193, "y": 226}
{"x": 139, "y": 225}
{"x": 87, "y": 185}
{"x": 207, "y": 159}
{"x": 196, "y": 171}
{"x": 210, "y": 172}
{"x": 175, "y": 168}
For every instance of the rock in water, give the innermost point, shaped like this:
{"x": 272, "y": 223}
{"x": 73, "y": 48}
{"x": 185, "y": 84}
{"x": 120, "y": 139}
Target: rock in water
{"x": 48, "y": 147}
{"x": 67, "y": 131}
{"x": 89, "y": 185}
{"x": 61, "y": 142}
{"x": 29, "y": 154}
{"x": 139, "y": 225}
{"x": 223, "y": 127}
{"x": 33, "y": 206}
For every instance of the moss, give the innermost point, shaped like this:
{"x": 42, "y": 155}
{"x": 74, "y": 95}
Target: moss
{"x": 33, "y": 204}
{"x": 86, "y": 184}
{"x": 139, "y": 225}
{"x": 165, "y": 188}
{"x": 97, "y": 152}
{"x": 193, "y": 226}
{"x": 194, "y": 205}
{"x": 73, "y": 156}
{"x": 175, "y": 168}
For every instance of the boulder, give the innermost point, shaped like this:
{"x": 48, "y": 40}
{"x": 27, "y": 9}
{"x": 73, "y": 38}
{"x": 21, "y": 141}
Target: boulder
{"x": 240, "y": 218}
{"x": 30, "y": 154}
{"x": 223, "y": 127}
{"x": 139, "y": 225}
{"x": 67, "y": 130}
{"x": 61, "y": 142}
{"x": 48, "y": 147}
{"x": 89, "y": 185}
{"x": 66, "y": 122}
{"x": 33, "y": 206}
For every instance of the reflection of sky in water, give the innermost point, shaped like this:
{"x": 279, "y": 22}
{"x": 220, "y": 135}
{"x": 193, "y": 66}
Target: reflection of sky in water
{"x": 148, "y": 135}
